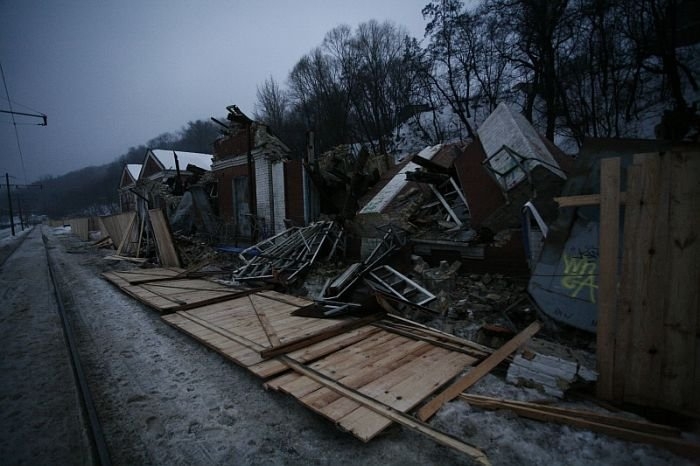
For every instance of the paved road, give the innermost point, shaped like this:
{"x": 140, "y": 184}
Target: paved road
{"x": 40, "y": 420}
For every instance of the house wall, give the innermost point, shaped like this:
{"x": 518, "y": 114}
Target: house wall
{"x": 269, "y": 192}
{"x": 483, "y": 194}
{"x": 151, "y": 168}
{"x": 225, "y": 178}
{"x": 229, "y": 146}
{"x": 294, "y": 191}
{"x": 127, "y": 200}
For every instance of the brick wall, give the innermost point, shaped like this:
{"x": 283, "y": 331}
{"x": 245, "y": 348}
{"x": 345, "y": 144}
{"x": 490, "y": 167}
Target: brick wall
{"x": 269, "y": 191}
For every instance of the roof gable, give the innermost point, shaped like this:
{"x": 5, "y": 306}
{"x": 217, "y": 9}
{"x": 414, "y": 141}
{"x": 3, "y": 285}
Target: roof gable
{"x": 130, "y": 175}
{"x": 166, "y": 158}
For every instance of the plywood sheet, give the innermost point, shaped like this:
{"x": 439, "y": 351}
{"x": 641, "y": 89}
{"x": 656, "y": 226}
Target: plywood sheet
{"x": 138, "y": 276}
{"x": 234, "y": 329}
{"x": 167, "y": 253}
{"x": 117, "y": 226}
{"x": 80, "y": 228}
{"x": 395, "y": 370}
{"x": 171, "y": 295}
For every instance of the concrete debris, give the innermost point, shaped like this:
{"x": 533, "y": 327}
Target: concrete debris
{"x": 549, "y": 374}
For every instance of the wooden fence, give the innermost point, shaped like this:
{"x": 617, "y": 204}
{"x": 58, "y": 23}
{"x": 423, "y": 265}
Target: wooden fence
{"x": 649, "y": 320}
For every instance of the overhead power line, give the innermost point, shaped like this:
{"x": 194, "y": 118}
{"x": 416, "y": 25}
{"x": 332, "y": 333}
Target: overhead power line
{"x": 14, "y": 122}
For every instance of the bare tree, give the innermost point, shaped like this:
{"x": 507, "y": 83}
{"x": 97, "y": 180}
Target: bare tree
{"x": 272, "y": 104}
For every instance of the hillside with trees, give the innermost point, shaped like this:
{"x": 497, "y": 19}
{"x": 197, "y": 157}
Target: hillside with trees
{"x": 575, "y": 68}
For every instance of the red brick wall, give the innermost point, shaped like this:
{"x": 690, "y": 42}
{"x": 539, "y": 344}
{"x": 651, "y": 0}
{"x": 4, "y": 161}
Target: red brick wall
{"x": 236, "y": 144}
{"x": 225, "y": 178}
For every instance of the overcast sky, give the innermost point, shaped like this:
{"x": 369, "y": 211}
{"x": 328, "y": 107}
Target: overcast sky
{"x": 113, "y": 74}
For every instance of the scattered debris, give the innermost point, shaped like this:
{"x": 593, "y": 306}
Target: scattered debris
{"x": 549, "y": 374}
{"x": 285, "y": 256}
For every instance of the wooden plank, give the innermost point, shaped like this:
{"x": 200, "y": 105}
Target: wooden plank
{"x": 674, "y": 444}
{"x": 475, "y": 374}
{"x": 643, "y": 376}
{"x": 404, "y": 395}
{"x": 127, "y": 234}
{"x": 164, "y": 239}
{"x": 272, "y": 367}
{"x": 585, "y": 199}
{"x": 419, "y": 361}
{"x": 231, "y": 350}
{"x": 322, "y": 400}
{"x": 336, "y": 329}
{"x": 679, "y": 390}
{"x": 634, "y": 221}
{"x": 284, "y": 298}
{"x": 602, "y": 418}
{"x": 238, "y": 339}
{"x": 267, "y": 327}
{"x": 352, "y": 359}
{"x": 439, "y": 334}
{"x": 418, "y": 334}
{"x": 396, "y": 416}
{"x": 608, "y": 274}
{"x": 139, "y": 276}
{"x": 116, "y": 225}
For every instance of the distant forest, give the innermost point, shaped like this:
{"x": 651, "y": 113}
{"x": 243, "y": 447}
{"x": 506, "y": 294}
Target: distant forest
{"x": 574, "y": 68}
{"x": 93, "y": 190}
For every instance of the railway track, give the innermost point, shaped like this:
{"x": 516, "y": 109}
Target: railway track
{"x": 100, "y": 452}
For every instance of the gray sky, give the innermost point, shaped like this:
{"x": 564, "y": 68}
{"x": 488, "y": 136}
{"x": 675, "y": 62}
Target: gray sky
{"x": 114, "y": 74}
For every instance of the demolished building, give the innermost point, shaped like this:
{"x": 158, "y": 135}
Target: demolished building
{"x": 259, "y": 184}
{"x": 127, "y": 182}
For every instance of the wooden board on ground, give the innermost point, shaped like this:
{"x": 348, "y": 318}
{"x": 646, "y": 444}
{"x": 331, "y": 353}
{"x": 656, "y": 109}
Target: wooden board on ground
{"x": 138, "y": 276}
{"x": 242, "y": 329}
{"x": 173, "y": 295}
{"x": 394, "y": 370}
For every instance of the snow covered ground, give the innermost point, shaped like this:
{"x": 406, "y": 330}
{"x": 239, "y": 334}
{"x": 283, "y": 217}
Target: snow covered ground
{"x": 163, "y": 398}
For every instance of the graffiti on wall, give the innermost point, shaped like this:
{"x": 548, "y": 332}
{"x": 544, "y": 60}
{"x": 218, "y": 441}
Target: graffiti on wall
{"x": 580, "y": 275}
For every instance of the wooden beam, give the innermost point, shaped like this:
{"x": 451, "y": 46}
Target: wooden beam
{"x": 583, "y": 200}
{"x": 388, "y": 412}
{"x": 608, "y": 419}
{"x": 608, "y": 247}
{"x": 674, "y": 444}
{"x": 269, "y": 330}
{"x": 475, "y": 374}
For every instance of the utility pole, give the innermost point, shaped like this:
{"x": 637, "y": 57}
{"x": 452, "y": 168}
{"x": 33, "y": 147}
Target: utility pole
{"x": 9, "y": 202}
{"x": 19, "y": 205}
